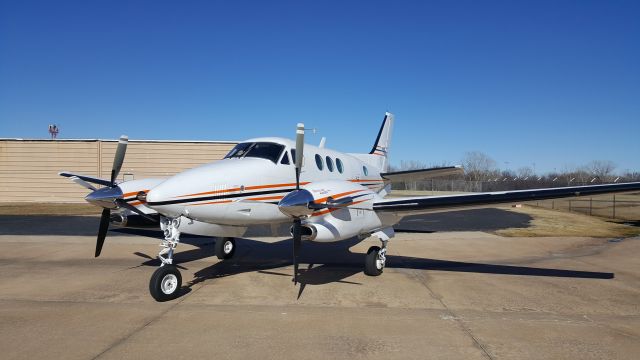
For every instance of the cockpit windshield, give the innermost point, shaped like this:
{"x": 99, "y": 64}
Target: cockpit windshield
{"x": 263, "y": 150}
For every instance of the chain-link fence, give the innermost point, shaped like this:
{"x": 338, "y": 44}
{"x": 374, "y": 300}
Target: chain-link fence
{"x": 618, "y": 206}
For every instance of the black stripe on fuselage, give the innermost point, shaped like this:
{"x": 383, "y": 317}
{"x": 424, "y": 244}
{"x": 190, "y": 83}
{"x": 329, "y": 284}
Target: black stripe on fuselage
{"x": 220, "y": 197}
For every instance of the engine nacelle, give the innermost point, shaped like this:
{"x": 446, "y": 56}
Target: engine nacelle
{"x": 340, "y": 225}
{"x": 343, "y": 209}
{"x": 134, "y": 221}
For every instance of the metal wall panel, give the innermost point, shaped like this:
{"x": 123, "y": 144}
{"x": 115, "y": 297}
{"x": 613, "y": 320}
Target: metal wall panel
{"x": 29, "y": 168}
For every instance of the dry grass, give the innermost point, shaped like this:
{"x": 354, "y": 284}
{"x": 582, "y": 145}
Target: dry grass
{"x": 627, "y": 205}
{"x": 48, "y": 209}
{"x": 559, "y": 223}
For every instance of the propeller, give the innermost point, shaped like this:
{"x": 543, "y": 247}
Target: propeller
{"x": 295, "y": 204}
{"x": 110, "y": 196}
{"x": 297, "y": 222}
{"x": 111, "y": 193}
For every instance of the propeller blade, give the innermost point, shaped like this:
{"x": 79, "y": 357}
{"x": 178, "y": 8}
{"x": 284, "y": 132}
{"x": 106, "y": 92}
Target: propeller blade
{"x": 123, "y": 204}
{"x": 86, "y": 178}
{"x": 102, "y": 231}
{"x": 297, "y": 241}
{"x": 119, "y": 158}
{"x": 83, "y": 183}
{"x": 299, "y": 152}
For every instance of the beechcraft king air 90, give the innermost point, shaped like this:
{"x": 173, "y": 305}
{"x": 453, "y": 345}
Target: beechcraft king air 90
{"x": 319, "y": 194}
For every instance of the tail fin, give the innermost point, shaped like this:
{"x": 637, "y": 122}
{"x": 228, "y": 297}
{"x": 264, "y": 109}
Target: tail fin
{"x": 383, "y": 142}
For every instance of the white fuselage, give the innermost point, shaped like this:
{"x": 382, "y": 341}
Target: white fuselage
{"x": 237, "y": 192}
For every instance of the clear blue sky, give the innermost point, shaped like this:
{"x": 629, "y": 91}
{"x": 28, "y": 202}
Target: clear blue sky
{"x": 556, "y": 83}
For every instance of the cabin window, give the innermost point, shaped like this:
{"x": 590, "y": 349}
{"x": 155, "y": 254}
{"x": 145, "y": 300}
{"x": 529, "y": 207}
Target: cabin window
{"x": 319, "y": 162}
{"x": 365, "y": 171}
{"x": 262, "y": 150}
{"x": 339, "y": 165}
{"x": 329, "y": 163}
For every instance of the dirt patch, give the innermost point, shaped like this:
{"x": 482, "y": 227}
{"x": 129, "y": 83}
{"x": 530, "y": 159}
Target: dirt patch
{"x": 558, "y": 223}
{"x": 48, "y": 209}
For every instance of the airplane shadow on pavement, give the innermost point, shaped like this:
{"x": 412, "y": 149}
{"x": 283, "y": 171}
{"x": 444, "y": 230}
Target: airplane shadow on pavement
{"x": 333, "y": 262}
{"x": 319, "y": 263}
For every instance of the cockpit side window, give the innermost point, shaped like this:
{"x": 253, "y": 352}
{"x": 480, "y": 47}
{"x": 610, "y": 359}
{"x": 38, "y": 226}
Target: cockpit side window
{"x": 285, "y": 158}
{"x": 263, "y": 150}
{"x": 238, "y": 151}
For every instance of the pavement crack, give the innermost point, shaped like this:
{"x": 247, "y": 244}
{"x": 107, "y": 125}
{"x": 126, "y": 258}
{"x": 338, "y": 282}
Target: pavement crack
{"x": 141, "y": 327}
{"x": 451, "y": 315}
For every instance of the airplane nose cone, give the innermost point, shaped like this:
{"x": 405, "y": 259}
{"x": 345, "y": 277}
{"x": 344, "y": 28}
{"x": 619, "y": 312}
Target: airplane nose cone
{"x": 160, "y": 200}
{"x": 105, "y": 197}
{"x": 296, "y": 203}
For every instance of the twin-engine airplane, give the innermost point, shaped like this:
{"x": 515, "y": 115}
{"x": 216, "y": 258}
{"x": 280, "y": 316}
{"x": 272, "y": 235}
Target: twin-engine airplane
{"x": 269, "y": 183}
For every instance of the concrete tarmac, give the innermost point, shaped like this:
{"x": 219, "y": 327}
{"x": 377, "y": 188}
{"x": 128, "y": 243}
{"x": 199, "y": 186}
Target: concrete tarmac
{"x": 448, "y": 295}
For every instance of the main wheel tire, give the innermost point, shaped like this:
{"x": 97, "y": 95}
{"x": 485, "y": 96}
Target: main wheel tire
{"x": 372, "y": 264}
{"x": 165, "y": 283}
{"x": 225, "y": 248}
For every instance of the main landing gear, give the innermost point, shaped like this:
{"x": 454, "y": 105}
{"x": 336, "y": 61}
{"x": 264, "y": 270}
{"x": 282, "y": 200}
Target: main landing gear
{"x": 166, "y": 281}
{"x": 376, "y": 257}
{"x": 225, "y": 248}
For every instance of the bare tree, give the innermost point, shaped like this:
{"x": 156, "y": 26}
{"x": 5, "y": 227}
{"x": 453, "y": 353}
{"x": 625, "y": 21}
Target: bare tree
{"x": 478, "y": 166}
{"x": 601, "y": 169}
{"x": 525, "y": 172}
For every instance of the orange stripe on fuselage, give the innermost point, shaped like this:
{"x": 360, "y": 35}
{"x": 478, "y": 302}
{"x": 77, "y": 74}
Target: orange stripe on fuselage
{"x": 336, "y": 196}
{"x": 133, "y": 193}
{"x": 265, "y": 198}
{"x": 323, "y": 212}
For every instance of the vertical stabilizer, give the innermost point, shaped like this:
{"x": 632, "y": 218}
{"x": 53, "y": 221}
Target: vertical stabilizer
{"x": 383, "y": 142}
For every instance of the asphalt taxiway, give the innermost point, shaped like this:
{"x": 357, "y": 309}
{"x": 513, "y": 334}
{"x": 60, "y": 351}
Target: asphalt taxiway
{"x": 450, "y": 295}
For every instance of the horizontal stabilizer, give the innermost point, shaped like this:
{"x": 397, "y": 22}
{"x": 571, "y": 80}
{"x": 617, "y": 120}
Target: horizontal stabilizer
{"x": 90, "y": 179}
{"x": 423, "y": 174}
{"x": 424, "y": 204}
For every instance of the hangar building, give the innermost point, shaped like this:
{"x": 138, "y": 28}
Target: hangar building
{"x": 29, "y": 168}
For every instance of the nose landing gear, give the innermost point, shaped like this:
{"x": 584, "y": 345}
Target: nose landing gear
{"x": 166, "y": 281}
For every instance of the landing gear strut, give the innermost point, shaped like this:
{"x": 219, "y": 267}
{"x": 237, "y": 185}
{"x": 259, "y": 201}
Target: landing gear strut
{"x": 225, "y": 248}
{"x": 166, "y": 281}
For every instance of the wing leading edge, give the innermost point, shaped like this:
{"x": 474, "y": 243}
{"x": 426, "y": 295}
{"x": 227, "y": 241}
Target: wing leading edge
{"x": 435, "y": 203}
{"x": 423, "y": 174}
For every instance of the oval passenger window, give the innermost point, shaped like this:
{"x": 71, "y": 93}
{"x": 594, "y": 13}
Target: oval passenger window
{"x": 319, "y": 162}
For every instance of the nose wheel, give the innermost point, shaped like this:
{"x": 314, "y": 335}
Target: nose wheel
{"x": 225, "y": 248}
{"x": 165, "y": 283}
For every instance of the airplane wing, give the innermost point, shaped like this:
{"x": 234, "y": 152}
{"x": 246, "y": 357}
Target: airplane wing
{"x": 423, "y": 174}
{"x": 425, "y": 204}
